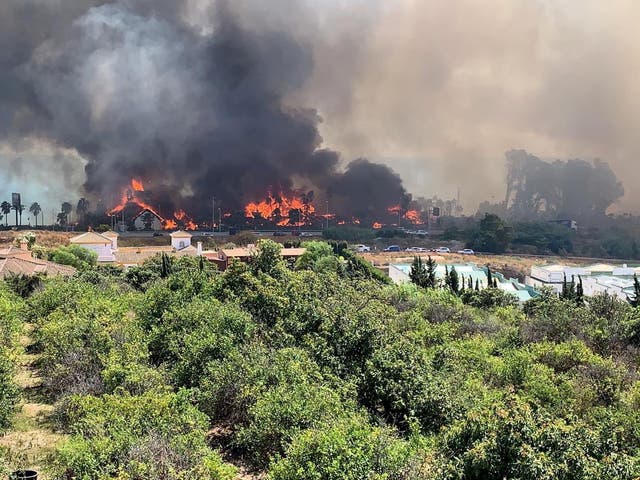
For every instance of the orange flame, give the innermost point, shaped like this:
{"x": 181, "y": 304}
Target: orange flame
{"x": 412, "y": 215}
{"x": 278, "y": 208}
{"x": 136, "y": 185}
{"x": 377, "y": 225}
{"x": 129, "y": 197}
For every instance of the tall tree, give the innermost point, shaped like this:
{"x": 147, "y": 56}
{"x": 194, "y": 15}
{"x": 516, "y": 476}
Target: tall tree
{"x": 635, "y": 300}
{"x": 418, "y": 273}
{"x": 35, "y": 209}
{"x": 431, "y": 272}
{"x": 446, "y": 276}
{"x": 66, "y": 208}
{"x": 579, "y": 292}
{"x": 454, "y": 281}
{"x": 18, "y": 209}
{"x": 82, "y": 208}
{"x": 489, "y": 277}
{"x": 5, "y": 208}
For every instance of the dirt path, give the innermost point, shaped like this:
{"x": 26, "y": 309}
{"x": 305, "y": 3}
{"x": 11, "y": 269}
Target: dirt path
{"x": 33, "y": 437}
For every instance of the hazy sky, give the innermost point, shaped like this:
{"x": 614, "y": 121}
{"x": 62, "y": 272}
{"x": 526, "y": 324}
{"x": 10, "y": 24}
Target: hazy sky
{"x": 437, "y": 89}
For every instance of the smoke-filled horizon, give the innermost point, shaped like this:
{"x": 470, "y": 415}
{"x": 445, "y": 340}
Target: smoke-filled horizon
{"x": 233, "y": 98}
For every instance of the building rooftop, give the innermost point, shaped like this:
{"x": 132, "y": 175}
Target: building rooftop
{"x": 180, "y": 234}
{"x": 90, "y": 238}
{"x": 14, "y": 263}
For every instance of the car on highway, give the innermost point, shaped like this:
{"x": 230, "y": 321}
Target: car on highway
{"x": 442, "y": 250}
{"x": 466, "y": 251}
{"x": 279, "y": 234}
{"x": 393, "y": 248}
{"x": 361, "y": 248}
{"x": 421, "y": 232}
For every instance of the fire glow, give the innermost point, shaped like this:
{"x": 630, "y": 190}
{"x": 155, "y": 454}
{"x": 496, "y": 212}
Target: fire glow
{"x": 412, "y": 216}
{"x": 130, "y": 197}
{"x": 286, "y": 211}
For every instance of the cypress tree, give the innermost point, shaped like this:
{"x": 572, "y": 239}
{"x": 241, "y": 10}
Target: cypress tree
{"x": 572, "y": 288}
{"x": 447, "y": 281}
{"x": 489, "y": 277}
{"x": 463, "y": 283}
{"x": 579, "y": 292}
{"x": 635, "y": 301}
{"x": 564, "y": 287}
{"x": 454, "y": 281}
{"x": 165, "y": 267}
{"x": 477, "y": 286}
{"x": 418, "y": 273}
{"x": 431, "y": 273}
{"x": 470, "y": 285}
{"x": 495, "y": 282}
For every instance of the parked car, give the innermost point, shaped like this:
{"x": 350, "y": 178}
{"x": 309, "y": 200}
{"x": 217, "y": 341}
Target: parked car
{"x": 361, "y": 248}
{"x": 413, "y": 249}
{"x": 466, "y": 251}
{"x": 442, "y": 250}
{"x": 392, "y": 248}
{"x": 279, "y": 234}
{"x": 158, "y": 234}
{"x": 306, "y": 234}
{"x": 421, "y": 232}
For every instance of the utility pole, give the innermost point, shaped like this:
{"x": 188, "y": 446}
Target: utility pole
{"x": 219, "y": 219}
{"x": 213, "y": 213}
{"x": 327, "y": 217}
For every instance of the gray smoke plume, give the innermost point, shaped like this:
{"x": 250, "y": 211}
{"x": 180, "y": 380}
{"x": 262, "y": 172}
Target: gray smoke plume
{"x": 193, "y": 112}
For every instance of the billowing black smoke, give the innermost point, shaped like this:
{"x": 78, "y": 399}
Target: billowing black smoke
{"x": 140, "y": 93}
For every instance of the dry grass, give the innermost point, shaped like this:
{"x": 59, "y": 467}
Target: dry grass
{"x": 33, "y": 439}
{"x": 45, "y": 238}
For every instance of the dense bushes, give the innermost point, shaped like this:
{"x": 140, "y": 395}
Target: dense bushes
{"x": 323, "y": 372}
{"x": 154, "y": 435}
{"x": 10, "y": 327}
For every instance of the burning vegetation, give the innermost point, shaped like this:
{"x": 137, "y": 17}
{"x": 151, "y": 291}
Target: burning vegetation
{"x": 275, "y": 210}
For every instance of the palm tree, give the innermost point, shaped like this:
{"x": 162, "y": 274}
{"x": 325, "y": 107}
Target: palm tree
{"x": 35, "y": 210}
{"x": 82, "y": 208}
{"x": 66, "y": 209}
{"x": 18, "y": 209}
{"x": 5, "y": 208}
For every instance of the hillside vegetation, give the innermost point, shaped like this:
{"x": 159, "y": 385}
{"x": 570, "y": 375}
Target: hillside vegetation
{"x": 322, "y": 370}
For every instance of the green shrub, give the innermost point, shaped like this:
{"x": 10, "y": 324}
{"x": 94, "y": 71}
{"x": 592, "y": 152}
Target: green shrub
{"x": 155, "y": 435}
{"x": 349, "y": 449}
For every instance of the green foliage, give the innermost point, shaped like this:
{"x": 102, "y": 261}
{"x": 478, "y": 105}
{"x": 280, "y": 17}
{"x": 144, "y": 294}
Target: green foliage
{"x": 75, "y": 256}
{"x": 492, "y": 235}
{"x": 23, "y": 285}
{"x": 349, "y": 449}
{"x": 323, "y": 371}
{"x": 488, "y": 298}
{"x": 511, "y": 440}
{"x": 418, "y": 273}
{"x": 155, "y": 435}
{"x": 318, "y": 257}
{"x": 268, "y": 260}
{"x": 10, "y": 328}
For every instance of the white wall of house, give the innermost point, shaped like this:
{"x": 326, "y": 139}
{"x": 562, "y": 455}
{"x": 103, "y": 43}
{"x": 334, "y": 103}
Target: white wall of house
{"x": 397, "y": 275}
{"x": 104, "y": 251}
{"x": 618, "y": 287}
{"x": 180, "y": 242}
